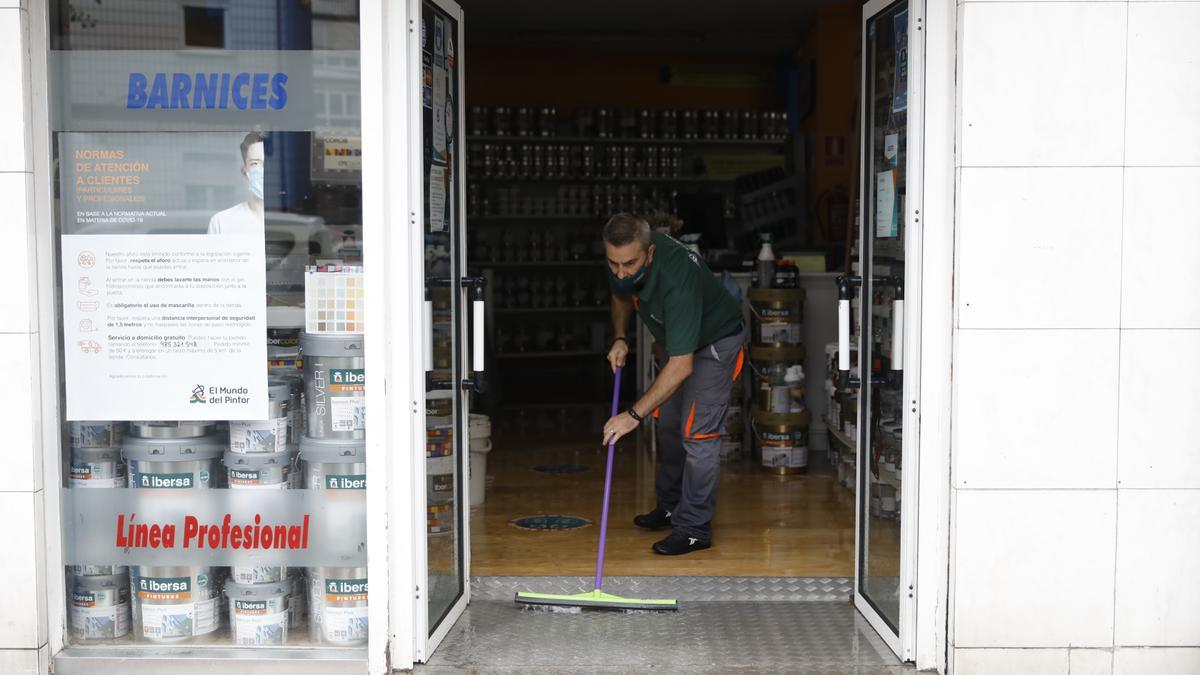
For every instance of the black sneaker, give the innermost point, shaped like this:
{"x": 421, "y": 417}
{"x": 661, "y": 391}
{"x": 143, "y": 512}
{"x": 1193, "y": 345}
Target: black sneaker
{"x": 678, "y": 544}
{"x": 655, "y": 520}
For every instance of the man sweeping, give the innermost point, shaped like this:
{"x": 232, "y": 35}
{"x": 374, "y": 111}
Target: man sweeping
{"x": 698, "y": 333}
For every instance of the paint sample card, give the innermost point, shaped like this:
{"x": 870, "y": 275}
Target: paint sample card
{"x": 437, "y": 198}
{"x": 334, "y": 300}
{"x": 164, "y": 327}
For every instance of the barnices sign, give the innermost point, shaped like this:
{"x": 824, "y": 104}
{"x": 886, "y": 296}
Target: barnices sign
{"x": 207, "y": 91}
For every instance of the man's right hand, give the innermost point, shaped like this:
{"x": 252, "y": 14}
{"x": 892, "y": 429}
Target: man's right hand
{"x": 617, "y": 354}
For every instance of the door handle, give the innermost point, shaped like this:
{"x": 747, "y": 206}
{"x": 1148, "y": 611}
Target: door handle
{"x": 477, "y": 381}
{"x": 898, "y": 328}
{"x": 846, "y": 285}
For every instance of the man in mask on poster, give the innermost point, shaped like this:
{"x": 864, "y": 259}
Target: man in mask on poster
{"x": 698, "y": 334}
{"x": 247, "y": 217}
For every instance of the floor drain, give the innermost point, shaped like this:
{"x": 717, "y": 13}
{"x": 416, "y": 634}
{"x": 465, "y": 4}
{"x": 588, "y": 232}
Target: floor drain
{"x": 549, "y": 523}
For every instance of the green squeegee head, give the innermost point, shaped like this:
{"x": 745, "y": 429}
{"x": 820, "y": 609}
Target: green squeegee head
{"x": 596, "y": 599}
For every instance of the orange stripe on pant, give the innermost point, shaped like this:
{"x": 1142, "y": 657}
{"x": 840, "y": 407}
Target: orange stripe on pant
{"x": 741, "y": 360}
{"x": 687, "y": 432}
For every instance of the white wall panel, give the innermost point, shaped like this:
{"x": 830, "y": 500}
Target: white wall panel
{"x": 1036, "y": 409}
{"x": 1161, "y": 240}
{"x": 1024, "y": 661}
{"x": 1158, "y": 556}
{"x": 1040, "y": 248}
{"x": 1033, "y": 568}
{"x": 1159, "y": 439}
{"x": 1163, "y": 103}
{"x": 1043, "y": 84}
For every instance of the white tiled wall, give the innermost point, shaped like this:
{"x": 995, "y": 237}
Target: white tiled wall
{"x": 23, "y": 645}
{"x": 1076, "y": 460}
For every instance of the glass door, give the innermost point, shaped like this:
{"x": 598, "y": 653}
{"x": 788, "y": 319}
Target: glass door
{"x": 443, "y": 584}
{"x": 881, "y": 593}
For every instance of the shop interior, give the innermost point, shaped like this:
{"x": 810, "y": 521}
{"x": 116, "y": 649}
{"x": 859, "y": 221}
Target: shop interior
{"x": 728, "y": 126}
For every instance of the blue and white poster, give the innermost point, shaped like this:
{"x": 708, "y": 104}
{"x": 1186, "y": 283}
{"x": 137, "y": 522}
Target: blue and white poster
{"x": 900, "y": 88}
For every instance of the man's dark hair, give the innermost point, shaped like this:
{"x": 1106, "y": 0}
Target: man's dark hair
{"x": 626, "y": 228}
{"x": 250, "y": 139}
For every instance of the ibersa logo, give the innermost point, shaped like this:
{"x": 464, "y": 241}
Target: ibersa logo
{"x": 198, "y": 394}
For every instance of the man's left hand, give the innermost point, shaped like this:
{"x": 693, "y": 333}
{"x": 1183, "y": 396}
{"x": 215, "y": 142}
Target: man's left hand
{"x": 618, "y": 426}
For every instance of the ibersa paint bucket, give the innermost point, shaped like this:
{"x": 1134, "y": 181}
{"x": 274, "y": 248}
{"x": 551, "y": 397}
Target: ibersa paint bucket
{"x": 338, "y": 605}
{"x": 173, "y": 463}
{"x": 269, "y": 435}
{"x": 96, "y": 434}
{"x": 175, "y": 604}
{"x": 185, "y": 429}
{"x": 97, "y": 468}
{"x": 258, "y": 472}
{"x": 777, "y": 317}
{"x": 334, "y": 465}
{"x": 772, "y": 392}
{"x": 258, "y": 613}
{"x": 782, "y": 440}
{"x": 99, "y": 607}
{"x": 334, "y": 385}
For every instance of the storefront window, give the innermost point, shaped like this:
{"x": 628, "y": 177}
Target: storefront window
{"x": 208, "y": 215}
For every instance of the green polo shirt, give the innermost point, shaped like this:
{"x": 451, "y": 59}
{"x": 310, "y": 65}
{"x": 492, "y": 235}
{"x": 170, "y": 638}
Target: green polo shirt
{"x": 682, "y": 304}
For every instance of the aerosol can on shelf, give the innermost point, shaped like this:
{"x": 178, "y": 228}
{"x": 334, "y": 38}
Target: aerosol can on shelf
{"x": 766, "y": 262}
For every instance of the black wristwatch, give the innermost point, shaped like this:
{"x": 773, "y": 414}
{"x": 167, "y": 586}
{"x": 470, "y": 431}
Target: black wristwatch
{"x": 633, "y": 413}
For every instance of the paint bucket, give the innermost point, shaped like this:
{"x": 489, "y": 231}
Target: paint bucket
{"x": 295, "y": 383}
{"x": 96, "y": 570}
{"x": 258, "y": 613}
{"x": 96, "y": 468}
{"x": 96, "y": 434}
{"x": 439, "y": 472}
{"x": 187, "y": 429}
{"x": 334, "y": 465}
{"x": 772, "y": 393}
{"x": 283, "y": 343}
{"x": 172, "y": 463}
{"x": 338, "y": 605}
{"x": 479, "y": 430}
{"x": 777, "y": 317}
{"x": 297, "y": 598}
{"x": 439, "y": 518}
{"x": 335, "y": 386}
{"x": 99, "y": 607}
{"x": 269, "y": 435}
{"x": 782, "y": 439}
{"x": 259, "y": 472}
{"x": 175, "y": 604}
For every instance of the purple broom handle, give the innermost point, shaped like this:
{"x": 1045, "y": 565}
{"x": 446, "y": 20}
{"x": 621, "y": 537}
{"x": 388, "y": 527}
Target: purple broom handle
{"x": 607, "y": 488}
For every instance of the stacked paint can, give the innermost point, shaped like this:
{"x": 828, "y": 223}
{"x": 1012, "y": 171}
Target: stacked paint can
{"x": 174, "y": 603}
{"x": 333, "y": 457}
{"x": 262, "y": 456}
{"x": 337, "y": 595}
{"x": 779, "y": 417}
{"x": 99, "y": 594}
{"x": 439, "y": 461}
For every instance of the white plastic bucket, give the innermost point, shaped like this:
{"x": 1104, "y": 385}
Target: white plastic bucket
{"x": 480, "y": 432}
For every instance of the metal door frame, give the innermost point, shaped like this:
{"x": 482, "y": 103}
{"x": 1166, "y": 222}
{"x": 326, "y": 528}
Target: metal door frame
{"x": 424, "y": 643}
{"x": 903, "y": 641}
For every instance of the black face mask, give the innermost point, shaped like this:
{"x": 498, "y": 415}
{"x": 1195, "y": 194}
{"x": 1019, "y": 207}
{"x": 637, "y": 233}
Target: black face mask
{"x": 631, "y": 283}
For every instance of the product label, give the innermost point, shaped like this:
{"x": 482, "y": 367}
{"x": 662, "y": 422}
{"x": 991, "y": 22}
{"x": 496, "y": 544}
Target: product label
{"x": 347, "y": 380}
{"x": 166, "y": 480}
{"x": 258, "y": 437}
{"x": 84, "y": 435}
{"x": 346, "y": 482}
{"x": 258, "y": 575}
{"x": 787, "y": 333}
{"x": 345, "y": 624}
{"x": 348, "y": 413}
{"x": 97, "y": 475}
{"x": 255, "y": 479}
{"x": 162, "y": 622}
{"x": 89, "y": 622}
{"x": 255, "y": 624}
{"x": 164, "y": 589}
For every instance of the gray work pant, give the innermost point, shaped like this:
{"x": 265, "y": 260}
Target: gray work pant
{"x": 689, "y": 430}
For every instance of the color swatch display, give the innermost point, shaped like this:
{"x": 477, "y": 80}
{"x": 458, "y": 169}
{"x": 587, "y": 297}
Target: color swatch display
{"x": 333, "y": 299}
